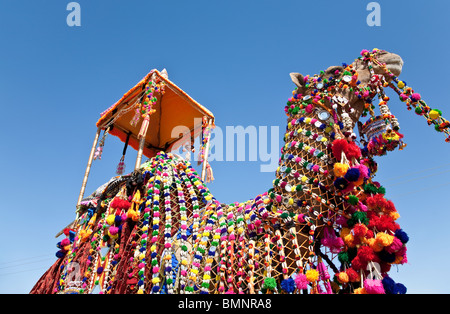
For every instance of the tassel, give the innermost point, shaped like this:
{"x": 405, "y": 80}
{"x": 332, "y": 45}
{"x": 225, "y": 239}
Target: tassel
{"x": 136, "y": 118}
{"x": 209, "y": 173}
{"x": 98, "y": 153}
{"x": 121, "y": 166}
{"x": 144, "y": 127}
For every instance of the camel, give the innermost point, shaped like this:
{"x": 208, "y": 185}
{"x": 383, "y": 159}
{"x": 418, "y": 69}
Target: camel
{"x": 324, "y": 227}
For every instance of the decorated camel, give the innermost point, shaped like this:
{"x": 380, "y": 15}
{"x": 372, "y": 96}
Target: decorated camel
{"x": 324, "y": 227}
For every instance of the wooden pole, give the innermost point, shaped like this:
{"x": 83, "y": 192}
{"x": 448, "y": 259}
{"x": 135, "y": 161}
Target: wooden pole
{"x": 139, "y": 154}
{"x": 142, "y": 135}
{"x": 205, "y": 158}
{"x": 88, "y": 168}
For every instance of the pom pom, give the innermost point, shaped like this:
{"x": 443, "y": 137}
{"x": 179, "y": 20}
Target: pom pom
{"x": 352, "y": 174}
{"x": 360, "y": 230}
{"x": 342, "y": 277}
{"x": 340, "y": 169}
{"x": 352, "y": 151}
{"x": 340, "y": 183}
{"x": 402, "y": 236}
{"x": 387, "y": 257}
{"x": 312, "y": 275}
{"x": 113, "y": 230}
{"x": 384, "y": 239}
{"x": 374, "y": 286}
{"x": 366, "y": 254}
{"x": 288, "y": 285}
{"x": 65, "y": 242}
{"x": 360, "y": 291}
{"x": 269, "y": 283}
{"x": 395, "y": 246}
{"x": 415, "y": 97}
{"x": 119, "y": 203}
{"x": 60, "y": 254}
{"x": 400, "y": 288}
{"x": 338, "y": 147}
{"x": 388, "y": 285}
{"x": 353, "y": 200}
{"x": 434, "y": 114}
{"x": 301, "y": 282}
{"x": 110, "y": 219}
{"x": 353, "y": 276}
{"x": 343, "y": 257}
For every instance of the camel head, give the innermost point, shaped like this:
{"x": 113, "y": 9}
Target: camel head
{"x": 350, "y": 88}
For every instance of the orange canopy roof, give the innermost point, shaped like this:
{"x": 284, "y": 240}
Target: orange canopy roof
{"x": 173, "y": 108}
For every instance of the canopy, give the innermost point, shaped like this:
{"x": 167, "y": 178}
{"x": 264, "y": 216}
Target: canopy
{"x": 173, "y": 108}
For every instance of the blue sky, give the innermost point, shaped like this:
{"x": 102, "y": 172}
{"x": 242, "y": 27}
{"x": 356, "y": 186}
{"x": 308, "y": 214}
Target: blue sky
{"x": 234, "y": 57}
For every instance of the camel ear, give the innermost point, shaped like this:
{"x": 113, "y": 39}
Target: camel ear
{"x": 332, "y": 70}
{"x": 298, "y": 79}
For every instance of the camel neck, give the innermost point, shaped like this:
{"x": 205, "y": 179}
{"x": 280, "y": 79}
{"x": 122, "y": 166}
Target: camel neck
{"x": 306, "y": 161}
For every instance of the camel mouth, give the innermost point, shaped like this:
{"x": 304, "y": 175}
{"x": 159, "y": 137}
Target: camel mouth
{"x": 394, "y": 63}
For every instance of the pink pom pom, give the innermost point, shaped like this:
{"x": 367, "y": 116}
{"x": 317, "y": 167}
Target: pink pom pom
{"x": 113, "y": 230}
{"x": 415, "y": 97}
{"x": 301, "y": 282}
{"x": 65, "y": 242}
{"x": 374, "y": 286}
{"x": 395, "y": 246}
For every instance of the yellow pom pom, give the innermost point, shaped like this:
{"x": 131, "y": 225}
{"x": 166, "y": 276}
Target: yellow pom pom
{"x": 401, "y": 84}
{"x": 340, "y": 169}
{"x": 155, "y": 280}
{"x": 384, "y": 239}
{"x": 110, "y": 219}
{"x": 434, "y": 114}
{"x": 348, "y": 239}
{"x": 394, "y": 215}
{"x": 374, "y": 245}
{"x": 343, "y": 277}
{"x": 140, "y": 291}
{"x": 312, "y": 275}
{"x": 360, "y": 291}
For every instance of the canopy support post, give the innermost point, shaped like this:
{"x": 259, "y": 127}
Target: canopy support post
{"x": 88, "y": 168}
{"x": 205, "y": 158}
{"x": 139, "y": 154}
{"x": 142, "y": 135}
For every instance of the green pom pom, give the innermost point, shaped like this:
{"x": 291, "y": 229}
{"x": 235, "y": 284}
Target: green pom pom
{"x": 343, "y": 257}
{"x": 269, "y": 283}
{"x": 353, "y": 200}
{"x": 360, "y": 217}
